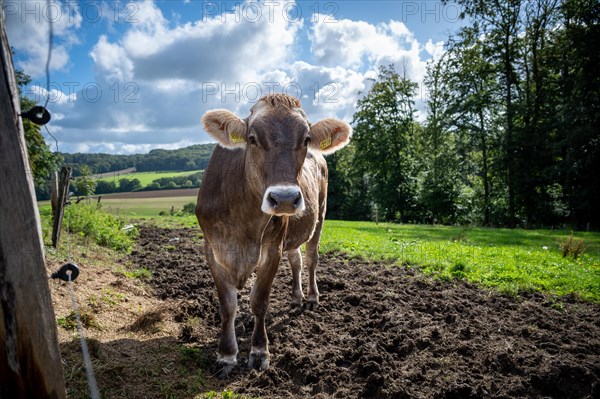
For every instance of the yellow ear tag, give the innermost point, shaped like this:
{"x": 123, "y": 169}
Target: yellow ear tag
{"x": 325, "y": 142}
{"x": 236, "y": 139}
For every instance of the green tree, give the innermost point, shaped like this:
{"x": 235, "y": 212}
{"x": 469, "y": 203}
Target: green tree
{"x": 384, "y": 139}
{"x": 575, "y": 60}
{"x": 501, "y": 24}
{"x": 474, "y": 113}
{"x": 84, "y": 185}
{"x": 42, "y": 160}
{"x": 126, "y": 185}
{"x": 348, "y": 192}
{"x": 105, "y": 187}
{"x": 440, "y": 165}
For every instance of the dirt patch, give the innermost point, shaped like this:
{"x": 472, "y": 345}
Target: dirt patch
{"x": 381, "y": 332}
{"x": 178, "y": 192}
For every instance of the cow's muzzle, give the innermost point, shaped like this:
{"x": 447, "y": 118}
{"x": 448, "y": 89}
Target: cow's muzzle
{"x": 283, "y": 201}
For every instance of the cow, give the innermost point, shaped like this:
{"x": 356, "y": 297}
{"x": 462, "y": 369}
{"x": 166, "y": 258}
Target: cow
{"x": 263, "y": 193}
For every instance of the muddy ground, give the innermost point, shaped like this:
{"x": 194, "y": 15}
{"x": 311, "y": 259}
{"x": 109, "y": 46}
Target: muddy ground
{"x": 381, "y": 331}
{"x": 385, "y": 332}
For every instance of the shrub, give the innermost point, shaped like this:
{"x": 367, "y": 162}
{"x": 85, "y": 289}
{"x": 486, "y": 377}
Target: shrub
{"x": 102, "y": 227}
{"x": 189, "y": 208}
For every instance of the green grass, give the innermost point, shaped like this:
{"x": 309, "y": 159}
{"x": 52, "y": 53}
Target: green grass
{"x": 146, "y": 178}
{"x": 508, "y": 260}
{"x": 140, "y": 273}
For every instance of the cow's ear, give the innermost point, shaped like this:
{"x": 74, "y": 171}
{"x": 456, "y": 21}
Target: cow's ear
{"x": 226, "y": 127}
{"x": 329, "y": 135}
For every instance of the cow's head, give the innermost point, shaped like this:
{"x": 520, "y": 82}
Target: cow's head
{"x": 276, "y": 138}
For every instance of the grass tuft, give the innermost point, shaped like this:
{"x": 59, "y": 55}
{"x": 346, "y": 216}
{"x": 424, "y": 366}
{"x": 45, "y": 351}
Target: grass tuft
{"x": 88, "y": 320}
{"x": 572, "y": 248}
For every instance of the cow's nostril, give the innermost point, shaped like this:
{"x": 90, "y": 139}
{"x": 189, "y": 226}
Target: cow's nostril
{"x": 297, "y": 201}
{"x": 272, "y": 200}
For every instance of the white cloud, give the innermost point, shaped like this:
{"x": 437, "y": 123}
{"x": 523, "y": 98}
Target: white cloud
{"x": 28, "y": 26}
{"x": 434, "y": 49}
{"x": 121, "y": 148}
{"x": 155, "y": 79}
{"x": 361, "y": 45}
{"x": 56, "y": 95}
{"x": 358, "y": 45}
{"x": 112, "y": 61}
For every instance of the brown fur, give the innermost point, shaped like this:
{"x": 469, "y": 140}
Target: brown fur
{"x": 276, "y": 100}
{"x": 240, "y": 238}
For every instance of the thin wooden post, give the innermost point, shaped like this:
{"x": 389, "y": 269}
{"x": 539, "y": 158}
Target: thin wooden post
{"x": 30, "y": 364}
{"x": 54, "y": 192}
{"x": 61, "y": 199}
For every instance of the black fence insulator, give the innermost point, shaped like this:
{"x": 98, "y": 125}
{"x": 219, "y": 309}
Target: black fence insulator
{"x": 63, "y": 274}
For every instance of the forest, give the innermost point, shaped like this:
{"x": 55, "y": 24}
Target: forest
{"x": 512, "y": 133}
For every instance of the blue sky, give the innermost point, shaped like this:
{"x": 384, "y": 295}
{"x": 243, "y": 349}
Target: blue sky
{"x": 131, "y": 76}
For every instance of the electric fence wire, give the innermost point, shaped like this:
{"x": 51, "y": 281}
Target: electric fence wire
{"x": 50, "y": 48}
{"x": 89, "y": 369}
{"x": 87, "y": 361}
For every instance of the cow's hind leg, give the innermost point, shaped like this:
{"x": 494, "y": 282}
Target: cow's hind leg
{"x": 295, "y": 258}
{"x": 259, "y": 302}
{"x": 312, "y": 260}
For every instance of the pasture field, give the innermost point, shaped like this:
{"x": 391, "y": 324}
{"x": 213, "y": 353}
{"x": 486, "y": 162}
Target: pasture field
{"x": 383, "y": 329}
{"x": 146, "y": 178}
{"x": 509, "y": 260}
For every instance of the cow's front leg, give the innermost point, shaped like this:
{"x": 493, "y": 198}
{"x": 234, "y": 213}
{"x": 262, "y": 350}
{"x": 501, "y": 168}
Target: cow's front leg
{"x": 259, "y": 302}
{"x": 228, "y": 349}
{"x": 227, "y": 292}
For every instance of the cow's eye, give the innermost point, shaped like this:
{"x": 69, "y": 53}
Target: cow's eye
{"x": 307, "y": 141}
{"x": 252, "y": 140}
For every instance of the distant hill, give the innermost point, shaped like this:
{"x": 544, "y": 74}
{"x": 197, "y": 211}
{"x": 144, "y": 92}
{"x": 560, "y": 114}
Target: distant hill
{"x": 194, "y": 157}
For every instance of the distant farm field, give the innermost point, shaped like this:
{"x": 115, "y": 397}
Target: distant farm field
{"x": 143, "y": 204}
{"x": 144, "y": 207}
{"x": 146, "y": 178}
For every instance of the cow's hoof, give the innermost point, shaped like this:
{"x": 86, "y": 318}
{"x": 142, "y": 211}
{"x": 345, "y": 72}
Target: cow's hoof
{"x": 258, "y": 360}
{"x": 225, "y": 367}
{"x": 297, "y": 299}
{"x": 311, "y": 304}
{"x": 296, "y": 310}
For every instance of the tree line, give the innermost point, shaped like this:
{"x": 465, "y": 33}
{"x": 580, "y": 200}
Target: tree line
{"x": 127, "y": 185}
{"x": 512, "y": 133}
{"x": 193, "y": 157}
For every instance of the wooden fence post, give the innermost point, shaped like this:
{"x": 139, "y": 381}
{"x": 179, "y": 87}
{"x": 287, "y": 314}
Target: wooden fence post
{"x": 30, "y": 363}
{"x": 54, "y": 192}
{"x": 61, "y": 199}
